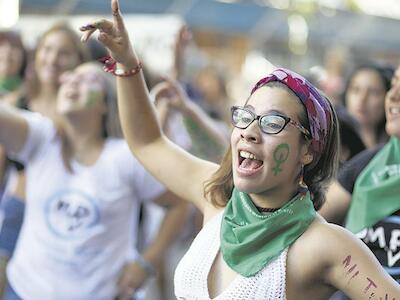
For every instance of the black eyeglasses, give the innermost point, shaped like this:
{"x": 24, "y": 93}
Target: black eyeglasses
{"x": 269, "y": 123}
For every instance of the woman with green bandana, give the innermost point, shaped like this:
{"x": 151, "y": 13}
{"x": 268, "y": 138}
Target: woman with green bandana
{"x": 262, "y": 237}
{"x": 366, "y": 195}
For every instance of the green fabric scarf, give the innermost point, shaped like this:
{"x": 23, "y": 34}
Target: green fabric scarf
{"x": 9, "y": 84}
{"x": 376, "y": 192}
{"x": 250, "y": 240}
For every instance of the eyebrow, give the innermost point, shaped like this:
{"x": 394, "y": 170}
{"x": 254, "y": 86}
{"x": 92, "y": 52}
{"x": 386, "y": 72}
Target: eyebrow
{"x": 272, "y": 111}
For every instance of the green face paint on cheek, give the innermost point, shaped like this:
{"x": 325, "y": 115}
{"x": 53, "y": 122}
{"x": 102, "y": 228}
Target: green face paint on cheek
{"x": 281, "y": 154}
{"x": 92, "y": 98}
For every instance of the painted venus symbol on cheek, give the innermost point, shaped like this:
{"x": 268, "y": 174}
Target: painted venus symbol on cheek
{"x": 281, "y": 154}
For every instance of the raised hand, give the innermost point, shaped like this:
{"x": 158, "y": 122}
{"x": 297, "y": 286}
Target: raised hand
{"x": 183, "y": 39}
{"x": 113, "y": 35}
{"x": 170, "y": 91}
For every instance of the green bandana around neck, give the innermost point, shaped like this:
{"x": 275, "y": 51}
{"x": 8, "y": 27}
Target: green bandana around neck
{"x": 250, "y": 239}
{"x": 376, "y": 192}
{"x": 9, "y": 84}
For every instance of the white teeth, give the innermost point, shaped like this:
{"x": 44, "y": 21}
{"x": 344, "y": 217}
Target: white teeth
{"x": 394, "y": 110}
{"x": 246, "y": 154}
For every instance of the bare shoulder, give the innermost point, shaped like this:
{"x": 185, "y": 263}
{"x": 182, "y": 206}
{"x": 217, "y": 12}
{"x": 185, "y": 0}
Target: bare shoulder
{"x": 325, "y": 241}
{"x": 210, "y": 211}
{"x": 331, "y": 256}
{"x": 307, "y": 262}
{"x": 327, "y": 233}
{"x": 321, "y": 246}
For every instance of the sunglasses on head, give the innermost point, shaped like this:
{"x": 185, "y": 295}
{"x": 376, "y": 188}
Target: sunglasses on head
{"x": 268, "y": 123}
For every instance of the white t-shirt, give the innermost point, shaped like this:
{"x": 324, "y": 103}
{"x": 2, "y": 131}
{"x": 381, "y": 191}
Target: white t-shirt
{"x": 79, "y": 227}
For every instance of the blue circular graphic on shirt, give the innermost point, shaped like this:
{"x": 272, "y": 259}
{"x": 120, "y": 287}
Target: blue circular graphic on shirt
{"x": 70, "y": 213}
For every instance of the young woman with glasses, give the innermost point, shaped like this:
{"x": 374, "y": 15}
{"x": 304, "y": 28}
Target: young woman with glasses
{"x": 262, "y": 237}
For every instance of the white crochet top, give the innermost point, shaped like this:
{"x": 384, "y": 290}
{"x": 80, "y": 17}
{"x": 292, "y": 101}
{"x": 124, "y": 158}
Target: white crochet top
{"x": 192, "y": 272}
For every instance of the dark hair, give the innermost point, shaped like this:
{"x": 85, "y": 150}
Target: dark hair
{"x": 349, "y": 132}
{"x": 14, "y": 39}
{"x": 319, "y": 176}
{"x": 218, "y": 189}
{"x": 385, "y": 73}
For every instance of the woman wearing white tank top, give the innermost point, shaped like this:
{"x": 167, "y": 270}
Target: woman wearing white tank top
{"x": 262, "y": 237}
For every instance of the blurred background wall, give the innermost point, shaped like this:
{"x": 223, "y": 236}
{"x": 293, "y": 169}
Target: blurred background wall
{"x": 244, "y": 36}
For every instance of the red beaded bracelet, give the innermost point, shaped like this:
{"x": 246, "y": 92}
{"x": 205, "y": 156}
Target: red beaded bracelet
{"x": 110, "y": 66}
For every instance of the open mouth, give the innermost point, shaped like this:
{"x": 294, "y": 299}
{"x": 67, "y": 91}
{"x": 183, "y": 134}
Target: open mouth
{"x": 248, "y": 161}
{"x": 72, "y": 95}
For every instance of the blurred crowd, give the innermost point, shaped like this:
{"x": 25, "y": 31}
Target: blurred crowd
{"x": 143, "y": 230}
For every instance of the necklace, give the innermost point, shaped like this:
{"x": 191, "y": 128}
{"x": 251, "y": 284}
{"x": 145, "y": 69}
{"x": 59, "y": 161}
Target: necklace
{"x": 266, "y": 209}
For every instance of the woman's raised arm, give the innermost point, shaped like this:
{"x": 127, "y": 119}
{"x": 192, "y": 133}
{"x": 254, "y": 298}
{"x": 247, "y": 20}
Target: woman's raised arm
{"x": 14, "y": 128}
{"x": 179, "y": 171}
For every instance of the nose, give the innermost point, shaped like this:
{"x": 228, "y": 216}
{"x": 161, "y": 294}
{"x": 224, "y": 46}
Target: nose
{"x": 52, "y": 57}
{"x": 362, "y": 97}
{"x": 252, "y": 133}
{"x": 394, "y": 93}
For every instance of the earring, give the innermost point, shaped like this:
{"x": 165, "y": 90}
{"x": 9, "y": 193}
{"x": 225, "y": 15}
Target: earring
{"x": 302, "y": 184}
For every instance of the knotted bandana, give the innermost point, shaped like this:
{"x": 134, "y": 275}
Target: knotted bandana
{"x": 250, "y": 239}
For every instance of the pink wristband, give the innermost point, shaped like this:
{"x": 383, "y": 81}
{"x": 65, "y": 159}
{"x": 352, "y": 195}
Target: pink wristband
{"x": 110, "y": 66}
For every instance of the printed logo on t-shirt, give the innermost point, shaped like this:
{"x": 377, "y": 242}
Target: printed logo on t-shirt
{"x": 69, "y": 213}
{"x": 384, "y": 241}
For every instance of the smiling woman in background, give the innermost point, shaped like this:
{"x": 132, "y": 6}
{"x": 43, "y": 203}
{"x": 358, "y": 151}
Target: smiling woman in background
{"x": 364, "y": 98}
{"x": 366, "y": 195}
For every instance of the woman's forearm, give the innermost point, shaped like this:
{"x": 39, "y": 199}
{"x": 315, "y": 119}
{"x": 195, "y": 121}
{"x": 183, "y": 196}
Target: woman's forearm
{"x": 138, "y": 116}
{"x": 14, "y": 128}
{"x": 217, "y": 132}
{"x": 169, "y": 230}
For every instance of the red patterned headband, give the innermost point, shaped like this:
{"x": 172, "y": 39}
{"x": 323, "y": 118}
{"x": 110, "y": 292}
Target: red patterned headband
{"x": 318, "y": 109}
